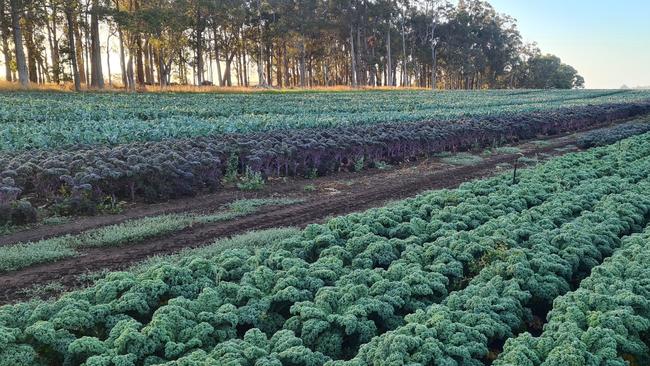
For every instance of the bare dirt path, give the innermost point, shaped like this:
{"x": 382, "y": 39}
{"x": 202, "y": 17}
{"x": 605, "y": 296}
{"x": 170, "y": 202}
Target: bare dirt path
{"x": 334, "y": 195}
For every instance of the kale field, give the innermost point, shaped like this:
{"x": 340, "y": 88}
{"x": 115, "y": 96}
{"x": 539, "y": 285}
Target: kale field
{"x": 451, "y": 228}
{"x": 56, "y": 120}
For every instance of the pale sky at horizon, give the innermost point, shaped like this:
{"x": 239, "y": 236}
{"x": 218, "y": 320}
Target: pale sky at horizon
{"x": 608, "y": 42}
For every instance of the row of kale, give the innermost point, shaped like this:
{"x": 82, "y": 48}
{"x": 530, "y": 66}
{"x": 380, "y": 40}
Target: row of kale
{"x": 157, "y": 171}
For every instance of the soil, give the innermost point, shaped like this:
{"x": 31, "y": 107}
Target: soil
{"x": 332, "y": 195}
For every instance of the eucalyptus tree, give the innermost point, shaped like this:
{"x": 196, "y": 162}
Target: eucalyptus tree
{"x": 97, "y": 77}
{"x": 69, "y": 10}
{"x": 16, "y": 8}
{"x": 5, "y": 35}
{"x": 289, "y": 42}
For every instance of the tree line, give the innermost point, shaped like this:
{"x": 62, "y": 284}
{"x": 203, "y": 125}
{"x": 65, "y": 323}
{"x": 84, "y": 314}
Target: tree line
{"x": 275, "y": 43}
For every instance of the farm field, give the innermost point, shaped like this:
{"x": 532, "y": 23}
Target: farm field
{"x": 485, "y": 228}
{"x": 466, "y": 275}
{"x": 58, "y": 120}
{"x": 73, "y": 169}
{"x": 324, "y": 183}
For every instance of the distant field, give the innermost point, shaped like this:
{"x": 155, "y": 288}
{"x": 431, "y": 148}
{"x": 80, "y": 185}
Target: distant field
{"x": 76, "y": 153}
{"x": 55, "y": 120}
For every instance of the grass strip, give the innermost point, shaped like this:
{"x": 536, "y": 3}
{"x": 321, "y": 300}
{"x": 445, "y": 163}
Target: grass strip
{"x": 21, "y": 255}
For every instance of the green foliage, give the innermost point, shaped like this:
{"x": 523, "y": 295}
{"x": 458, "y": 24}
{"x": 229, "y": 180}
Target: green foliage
{"x": 25, "y": 254}
{"x": 541, "y": 143}
{"x": 133, "y": 231}
{"x": 435, "y": 279}
{"x": 111, "y": 205}
{"x": 43, "y": 291}
{"x": 55, "y": 220}
{"x": 605, "y": 321}
{"x": 309, "y": 188}
{"x": 528, "y": 160}
{"x": 462, "y": 159}
{"x": 613, "y": 134}
{"x": 359, "y": 164}
{"x": 232, "y": 169}
{"x": 247, "y": 206}
{"x": 251, "y": 241}
{"x": 381, "y": 165}
{"x": 313, "y": 174}
{"x": 16, "y": 213}
{"x": 75, "y": 181}
{"x": 507, "y": 150}
{"x": 55, "y": 120}
{"x": 548, "y": 72}
{"x": 251, "y": 181}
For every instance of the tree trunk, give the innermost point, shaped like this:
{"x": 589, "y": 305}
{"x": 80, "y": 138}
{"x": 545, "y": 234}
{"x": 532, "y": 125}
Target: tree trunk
{"x": 218, "y": 60}
{"x": 162, "y": 77}
{"x": 97, "y": 79}
{"x": 217, "y": 57}
{"x": 147, "y": 63}
{"x": 79, "y": 52}
{"x": 87, "y": 46}
{"x": 269, "y": 66}
{"x": 310, "y": 73}
{"x": 120, "y": 36}
{"x": 278, "y": 72}
{"x": 139, "y": 65}
{"x": 44, "y": 67}
{"x": 152, "y": 64}
{"x": 361, "y": 63}
{"x": 261, "y": 79}
{"x": 182, "y": 68}
{"x": 433, "y": 67}
{"x": 5, "y": 34}
{"x": 54, "y": 47}
{"x": 354, "y": 61}
{"x": 227, "y": 78}
{"x": 21, "y": 63}
{"x": 238, "y": 67}
{"x": 245, "y": 67}
{"x": 285, "y": 61}
{"x": 208, "y": 54}
{"x": 199, "y": 49}
{"x": 389, "y": 64}
{"x": 73, "y": 52}
{"x": 32, "y": 66}
{"x": 108, "y": 59}
{"x": 404, "y": 60}
{"x": 302, "y": 61}
{"x": 129, "y": 73}
{"x": 7, "y": 56}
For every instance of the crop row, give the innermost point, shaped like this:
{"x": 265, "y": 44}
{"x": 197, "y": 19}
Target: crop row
{"x": 60, "y": 120}
{"x": 610, "y": 135}
{"x": 467, "y": 327}
{"x": 605, "y": 321}
{"x": 349, "y": 285}
{"x": 131, "y": 232}
{"x": 162, "y": 170}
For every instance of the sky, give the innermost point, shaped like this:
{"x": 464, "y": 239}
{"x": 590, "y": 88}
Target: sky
{"x": 607, "y": 41}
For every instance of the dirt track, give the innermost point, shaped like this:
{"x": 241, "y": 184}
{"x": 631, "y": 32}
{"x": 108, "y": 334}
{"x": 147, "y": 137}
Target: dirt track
{"x": 334, "y": 197}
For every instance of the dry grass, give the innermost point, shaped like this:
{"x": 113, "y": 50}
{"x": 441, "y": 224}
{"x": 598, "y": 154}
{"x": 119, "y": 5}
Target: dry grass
{"x": 6, "y": 86}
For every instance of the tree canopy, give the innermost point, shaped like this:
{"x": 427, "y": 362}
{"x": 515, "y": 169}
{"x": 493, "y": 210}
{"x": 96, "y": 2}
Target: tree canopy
{"x": 283, "y": 43}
